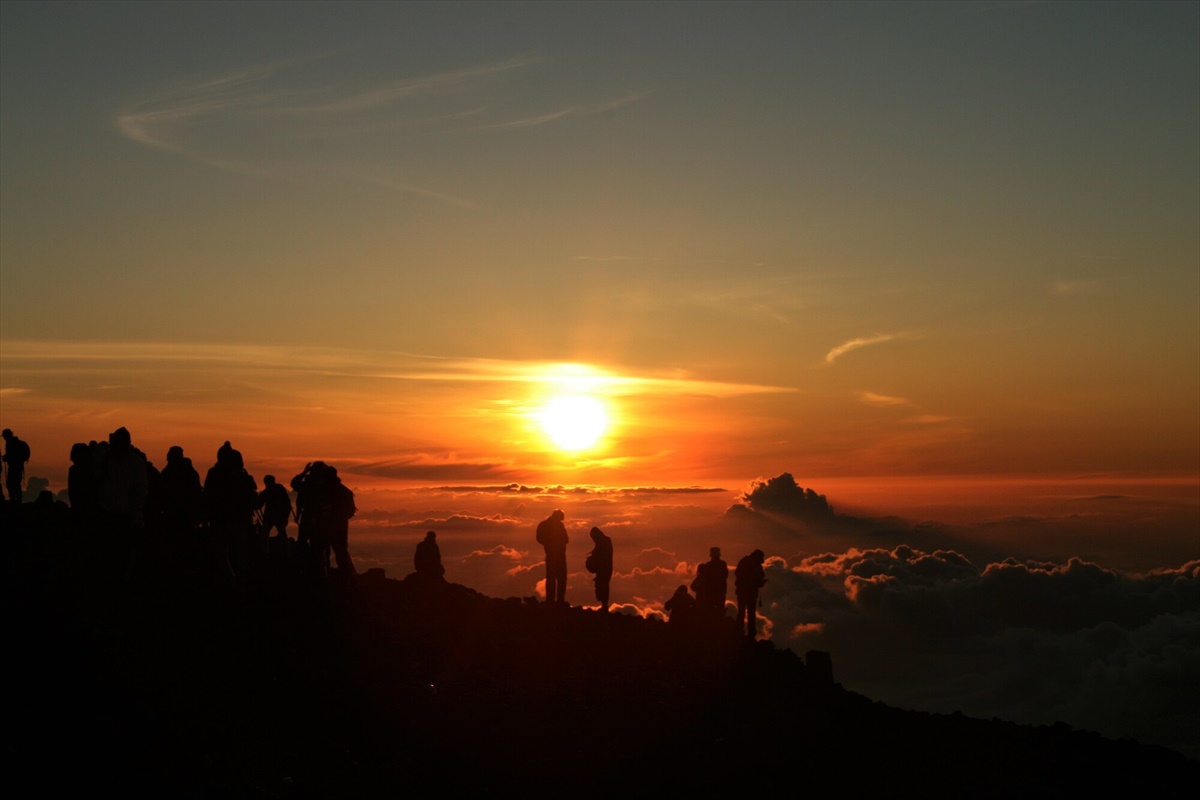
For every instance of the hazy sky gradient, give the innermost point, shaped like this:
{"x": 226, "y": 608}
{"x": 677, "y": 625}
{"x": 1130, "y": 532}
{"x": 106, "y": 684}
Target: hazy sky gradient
{"x": 945, "y": 238}
{"x": 954, "y": 237}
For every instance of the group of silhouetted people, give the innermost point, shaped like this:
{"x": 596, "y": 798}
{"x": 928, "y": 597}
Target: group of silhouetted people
{"x": 711, "y": 586}
{"x": 552, "y": 536}
{"x": 222, "y": 523}
{"x": 114, "y": 488}
{"x": 711, "y": 583}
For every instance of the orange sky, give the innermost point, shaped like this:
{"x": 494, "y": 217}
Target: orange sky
{"x": 876, "y": 242}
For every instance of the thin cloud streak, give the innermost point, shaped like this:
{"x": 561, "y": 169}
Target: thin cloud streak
{"x": 572, "y": 111}
{"x": 854, "y": 344}
{"x": 44, "y": 357}
{"x": 392, "y": 91}
{"x": 246, "y": 98}
{"x": 881, "y": 400}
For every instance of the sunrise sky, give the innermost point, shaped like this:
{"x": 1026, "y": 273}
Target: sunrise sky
{"x": 835, "y": 239}
{"x": 935, "y": 260}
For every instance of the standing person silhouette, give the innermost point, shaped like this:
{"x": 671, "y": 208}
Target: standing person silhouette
{"x": 230, "y": 498}
{"x": 600, "y": 562}
{"x": 748, "y": 578}
{"x": 552, "y": 536}
{"x": 16, "y": 453}
{"x": 276, "y": 507}
{"x": 711, "y": 584}
{"x": 183, "y": 495}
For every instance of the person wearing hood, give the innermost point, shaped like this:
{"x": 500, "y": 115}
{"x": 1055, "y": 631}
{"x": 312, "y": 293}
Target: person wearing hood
{"x": 600, "y": 563}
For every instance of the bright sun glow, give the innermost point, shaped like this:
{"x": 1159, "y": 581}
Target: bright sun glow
{"x": 574, "y": 422}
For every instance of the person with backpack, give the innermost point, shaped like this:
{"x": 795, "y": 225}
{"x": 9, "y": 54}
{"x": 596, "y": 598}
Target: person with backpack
{"x": 16, "y": 453}
{"x": 324, "y": 506}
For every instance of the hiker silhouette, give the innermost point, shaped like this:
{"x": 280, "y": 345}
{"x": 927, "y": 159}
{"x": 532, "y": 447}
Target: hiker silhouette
{"x": 324, "y": 506}
{"x": 552, "y": 536}
{"x": 122, "y": 484}
{"x": 748, "y": 579}
{"x": 81, "y": 482}
{"x": 600, "y": 563}
{"x": 16, "y": 454}
{"x": 276, "y": 507}
{"x": 681, "y": 608}
{"x": 182, "y": 495}
{"x": 428, "y": 559}
{"x": 230, "y": 498}
{"x": 711, "y": 585}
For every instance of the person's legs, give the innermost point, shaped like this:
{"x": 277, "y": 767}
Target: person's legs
{"x": 551, "y": 580}
{"x": 13, "y": 484}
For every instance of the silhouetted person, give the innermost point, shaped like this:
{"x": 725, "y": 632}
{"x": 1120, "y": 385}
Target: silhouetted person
{"x": 182, "y": 495}
{"x": 154, "y": 504}
{"x": 16, "y": 453}
{"x": 230, "y": 498}
{"x": 344, "y": 509}
{"x": 428, "y": 559}
{"x": 711, "y": 584}
{"x": 552, "y": 536}
{"x": 681, "y": 607}
{"x": 304, "y": 522}
{"x": 122, "y": 490}
{"x": 324, "y": 506}
{"x": 47, "y": 516}
{"x": 276, "y": 507}
{"x": 81, "y": 484}
{"x": 122, "y": 483}
{"x": 600, "y": 562}
{"x": 748, "y": 579}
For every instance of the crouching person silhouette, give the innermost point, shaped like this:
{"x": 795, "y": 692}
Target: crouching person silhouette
{"x": 428, "y": 560}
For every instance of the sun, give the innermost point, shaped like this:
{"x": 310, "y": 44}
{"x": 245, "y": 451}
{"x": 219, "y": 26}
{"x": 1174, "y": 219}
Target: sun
{"x": 574, "y": 422}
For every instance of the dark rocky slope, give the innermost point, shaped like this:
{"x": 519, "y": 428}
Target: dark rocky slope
{"x": 161, "y": 681}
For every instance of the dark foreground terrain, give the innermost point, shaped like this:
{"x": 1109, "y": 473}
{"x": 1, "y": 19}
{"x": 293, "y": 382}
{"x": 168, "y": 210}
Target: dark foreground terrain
{"x": 152, "y": 678}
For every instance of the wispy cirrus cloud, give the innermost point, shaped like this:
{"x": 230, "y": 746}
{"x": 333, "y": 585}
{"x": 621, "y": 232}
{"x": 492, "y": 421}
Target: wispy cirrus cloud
{"x": 31, "y": 357}
{"x": 864, "y": 341}
{"x": 573, "y": 111}
{"x": 388, "y": 93}
{"x": 881, "y": 400}
{"x": 274, "y": 120}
